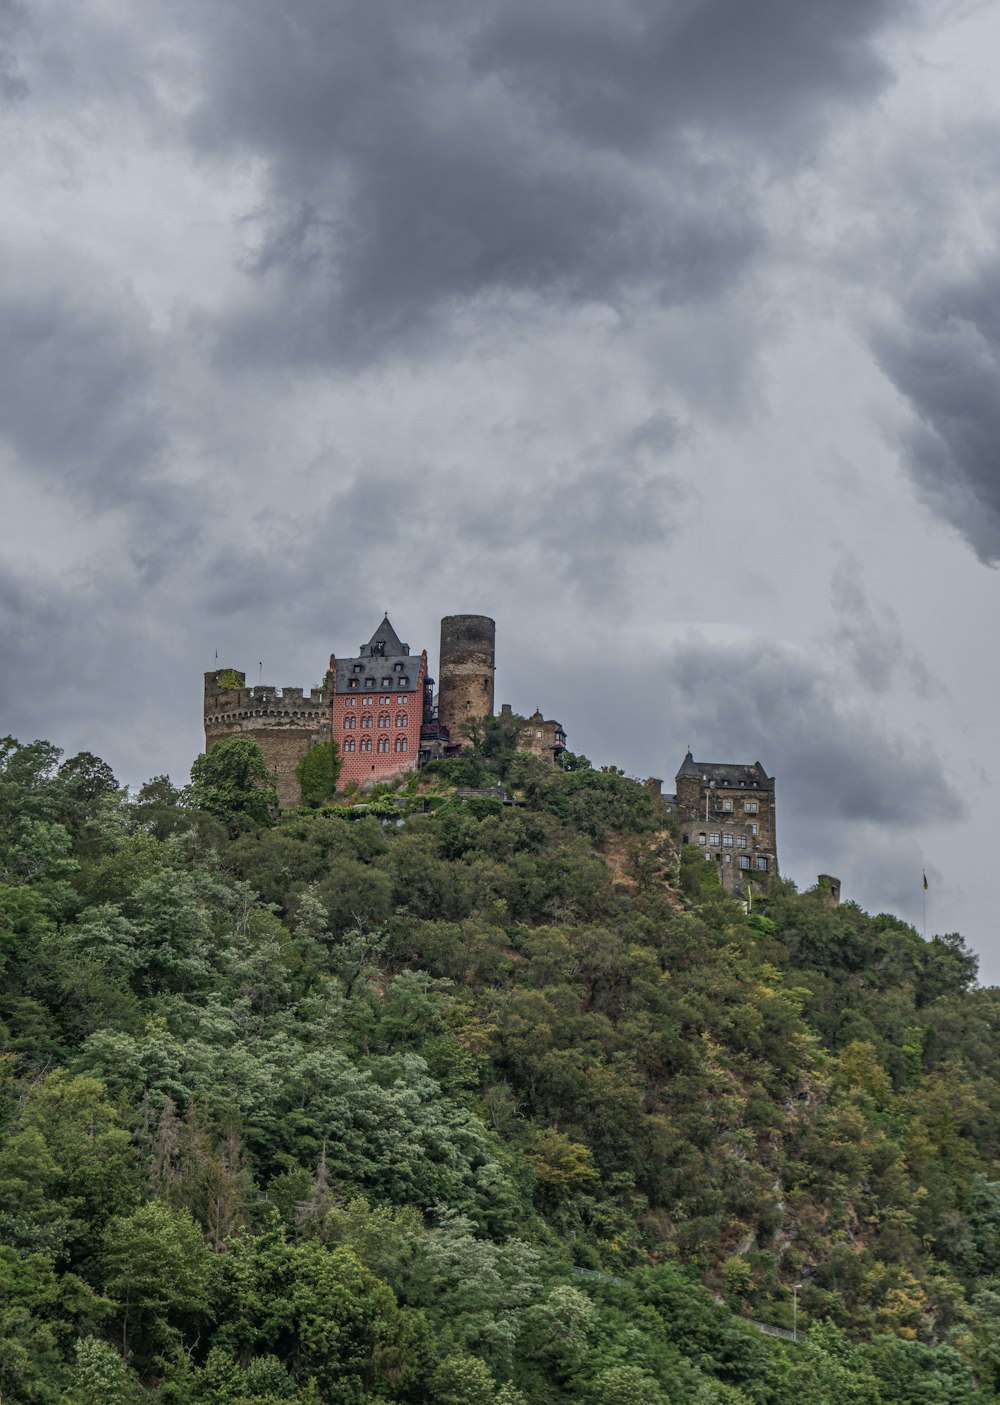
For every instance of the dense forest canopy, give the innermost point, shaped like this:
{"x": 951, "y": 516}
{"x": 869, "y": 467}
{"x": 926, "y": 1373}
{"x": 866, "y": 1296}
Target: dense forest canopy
{"x": 425, "y": 1096}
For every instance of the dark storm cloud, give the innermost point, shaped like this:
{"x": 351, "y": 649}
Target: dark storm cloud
{"x": 419, "y": 158}
{"x": 870, "y": 638}
{"x": 576, "y": 528}
{"x": 943, "y": 356}
{"x": 76, "y": 375}
{"x": 762, "y": 702}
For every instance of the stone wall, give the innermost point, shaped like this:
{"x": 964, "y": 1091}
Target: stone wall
{"x": 284, "y": 722}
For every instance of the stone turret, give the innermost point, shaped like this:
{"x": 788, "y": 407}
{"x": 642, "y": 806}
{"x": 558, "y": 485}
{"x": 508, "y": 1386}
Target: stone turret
{"x": 465, "y": 676}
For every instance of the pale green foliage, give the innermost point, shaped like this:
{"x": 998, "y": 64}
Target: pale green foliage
{"x": 233, "y": 783}
{"x": 101, "y": 1375}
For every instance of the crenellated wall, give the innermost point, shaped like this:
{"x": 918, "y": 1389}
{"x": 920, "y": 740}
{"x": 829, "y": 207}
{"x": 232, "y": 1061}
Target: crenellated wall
{"x": 284, "y": 722}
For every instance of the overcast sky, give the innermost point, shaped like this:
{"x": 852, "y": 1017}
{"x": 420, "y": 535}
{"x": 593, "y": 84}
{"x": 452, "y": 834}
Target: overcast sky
{"x": 667, "y": 332}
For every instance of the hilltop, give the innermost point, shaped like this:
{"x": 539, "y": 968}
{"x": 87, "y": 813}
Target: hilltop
{"x": 478, "y": 1091}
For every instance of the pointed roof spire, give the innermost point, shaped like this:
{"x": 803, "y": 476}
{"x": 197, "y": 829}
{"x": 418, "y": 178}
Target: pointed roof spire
{"x": 385, "y": 641}
{"x": 688, "y": 767}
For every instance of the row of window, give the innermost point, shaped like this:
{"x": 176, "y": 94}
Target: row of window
{"x": 749, "y": 806}
{"x": 402, "y": 681}
{"x": 384, "y": 720}
{"x": 365, "y": 744}
{"x": 760, "y": 863}
{"x": 386, "y": 701}
{"x": 714, "y": 839}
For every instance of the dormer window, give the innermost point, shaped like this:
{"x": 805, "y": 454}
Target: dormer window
{"x": 369, "y": 682}
{"x": 358, "y": 667}
{"x": 352, "y": 682}
{"x": 386, "y": 682}
{"x": 378, "y": 646}
{"x": 403, "y": 681}
{"x": 398, "y": 667}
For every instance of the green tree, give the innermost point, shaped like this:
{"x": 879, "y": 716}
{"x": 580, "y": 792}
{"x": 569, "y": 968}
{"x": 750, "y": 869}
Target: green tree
{"x": 233, "y": 783}
{"x": 317, "y": 773}
{"x": 157, "y": 1267}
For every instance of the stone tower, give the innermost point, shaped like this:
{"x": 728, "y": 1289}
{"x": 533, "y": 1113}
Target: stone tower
{"x": 465, "y": 677}
{"x": 285, "y": 722}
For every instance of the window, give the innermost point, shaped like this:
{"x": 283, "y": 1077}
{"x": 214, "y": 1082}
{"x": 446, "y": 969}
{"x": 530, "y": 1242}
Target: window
{"x": 403, "y": 681}
{"x": 384, "y": 720}
{"x": 744, "y": 861}
{"x": 383, "y": 744}
{"x": 386, "y": 682}
{"x": 713, "y": 839}
{"x": 402, "y": 701}
{"x": 400, "y": 743}
{"x": 402, "y": 720}
{"x": 352, "y": 682}
{"x": 369, "y": 682}
{"x": 351, "y": 702}
{"x": 741, "y": 841}
{"x": 358, "y": 667}
{"x": 378, "y": 646}
{"x": 727, "y": 806}
{"x": 701, "y": 837}
{"x": 397, "y": 667}
{"x": 366, "y": 744}
{"x": 727, "y": 841}
{"x": 366, "y": 720}
{"x": 349, "y": 744}
{"x": 729, "y": 858}
{"x": 750, "y": 806}
{"x": 753, "y": 830}
{"x": 349, "y": 723}
{"x": 761, "y": 864}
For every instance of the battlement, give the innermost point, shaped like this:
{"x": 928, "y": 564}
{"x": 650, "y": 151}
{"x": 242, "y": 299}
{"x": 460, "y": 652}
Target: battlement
{"x": 230, "y": 704}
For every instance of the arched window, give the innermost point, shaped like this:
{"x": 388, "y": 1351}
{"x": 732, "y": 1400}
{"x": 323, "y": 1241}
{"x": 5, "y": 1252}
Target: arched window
{"x": 349, "y": 744}
{"x": 402, "y": 720}
{"x": 349, "y": 724}
{"x": 400, "y": 743}
{"x": 383, "y": 744}
{"x": 384, "y": 720}
{"x": 366, "y": 744}
{"x": 366, "y": 719}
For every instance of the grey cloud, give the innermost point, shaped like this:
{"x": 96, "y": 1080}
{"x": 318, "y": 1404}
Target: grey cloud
{"x": 13, "y": 20}
{"x": 943, "y": 356}
{"x": 869, "y": 638}
{"x": 422, "y": 158}
{"x": 76, "y": 375}
{"x": 768, "y": 703}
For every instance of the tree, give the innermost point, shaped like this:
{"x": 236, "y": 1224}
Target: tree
{"x": 317, "y": 774}
{"x": 233, "y": 783}
{"x": 157, "y": 1267}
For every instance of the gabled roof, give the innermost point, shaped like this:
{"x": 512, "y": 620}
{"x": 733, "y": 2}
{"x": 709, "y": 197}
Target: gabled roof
{"x": 385, "y": 641}
{"x": 725, "y": 774}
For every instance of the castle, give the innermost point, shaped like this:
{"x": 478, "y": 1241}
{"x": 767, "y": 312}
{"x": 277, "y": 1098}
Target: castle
{"x": 728, "y": 811}
{"x": 379, "y": 706}
{"x": 381, "y": 709}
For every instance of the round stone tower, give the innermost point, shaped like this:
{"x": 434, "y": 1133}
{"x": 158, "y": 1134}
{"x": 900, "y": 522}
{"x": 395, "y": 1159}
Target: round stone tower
{"x": 465, "y": 674}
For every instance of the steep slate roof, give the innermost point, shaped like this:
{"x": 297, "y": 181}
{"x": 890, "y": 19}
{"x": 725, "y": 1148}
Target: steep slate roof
{"x": 745, "y": 777}
{"x": 379, "y": 663}
{"x": 388, "y": 638}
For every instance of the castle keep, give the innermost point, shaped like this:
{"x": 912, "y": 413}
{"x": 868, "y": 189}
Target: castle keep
{"x": 378, "y": 706}
{"x": 728, "y": 811}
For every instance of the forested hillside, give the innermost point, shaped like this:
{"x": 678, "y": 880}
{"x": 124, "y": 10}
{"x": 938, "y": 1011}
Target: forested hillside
{"x": 441, "y": 1099}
